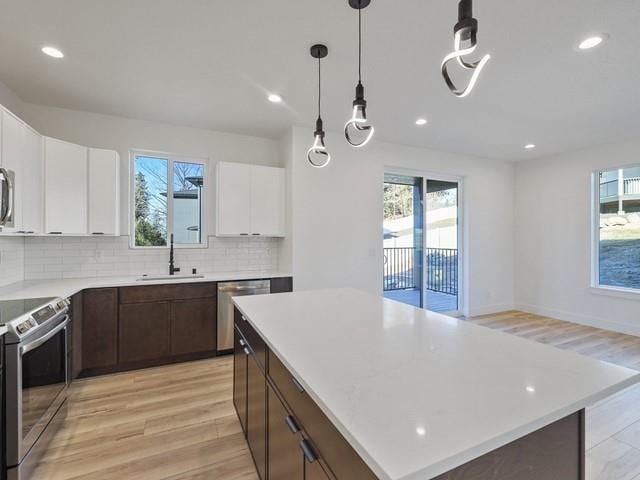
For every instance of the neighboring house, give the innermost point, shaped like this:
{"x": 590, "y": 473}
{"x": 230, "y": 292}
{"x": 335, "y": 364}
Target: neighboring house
{"x": 620, "y": 190}
{"x": 187, "y": 212}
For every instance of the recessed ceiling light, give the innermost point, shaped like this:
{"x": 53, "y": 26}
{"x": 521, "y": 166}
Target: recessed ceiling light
{"x": 274, "y": 98}
{"x": 530, "y": 146}
{"x": 421, "y": 121}
{"x": 52, "y": 52}
{"x": 421, "y": 431}
{"x": 592, "y": 41}
{"x": 531, "y": 389}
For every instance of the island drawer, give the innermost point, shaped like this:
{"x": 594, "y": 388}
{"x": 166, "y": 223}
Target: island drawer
{"x": 256, "y": 344}
{"x": 336, "y": 452}
{"x": 160, "y": 293}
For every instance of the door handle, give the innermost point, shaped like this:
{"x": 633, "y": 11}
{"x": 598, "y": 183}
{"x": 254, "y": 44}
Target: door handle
{"x": 247, "y": 351}
{"x": 292, "y": 424}
{"x": 309, "y": 452}
{"x": 297, "y": 384}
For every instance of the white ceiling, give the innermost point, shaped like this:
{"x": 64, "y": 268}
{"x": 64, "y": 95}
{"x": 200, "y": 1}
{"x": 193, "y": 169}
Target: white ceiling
{"x": 209, "y": 63}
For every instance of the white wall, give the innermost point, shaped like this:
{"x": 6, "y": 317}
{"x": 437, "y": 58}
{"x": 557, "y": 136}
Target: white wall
{"x": 336, "y": 217}
{"x": 553, "y": 235}
{"x": 123, "y": 134}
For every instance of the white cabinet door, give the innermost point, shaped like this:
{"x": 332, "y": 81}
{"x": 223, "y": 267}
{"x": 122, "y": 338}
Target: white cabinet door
{"x": 13, "y": 130}
{"x": 33, "y": 182}
{"x": 65, "y": 187}
{"x": 233, "y": 194}
{"x": 267, "y": 201}
{"x": 103, "y": 190}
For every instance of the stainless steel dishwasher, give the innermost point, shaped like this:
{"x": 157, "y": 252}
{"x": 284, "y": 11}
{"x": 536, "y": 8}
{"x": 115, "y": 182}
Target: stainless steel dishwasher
{"x": 226, "y": 291}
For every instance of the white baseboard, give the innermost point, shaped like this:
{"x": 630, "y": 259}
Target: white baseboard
{"x": 489, "y": 309}
{"x": 581, "y": 319}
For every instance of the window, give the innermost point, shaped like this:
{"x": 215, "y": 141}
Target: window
{"x": 167, "y": 200}
{"x": 617, "y": 228}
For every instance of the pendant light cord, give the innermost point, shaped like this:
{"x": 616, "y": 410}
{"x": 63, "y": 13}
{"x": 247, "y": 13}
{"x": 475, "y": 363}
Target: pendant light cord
{"x": 359, "y": 44}
{"x": 319, "y": 86}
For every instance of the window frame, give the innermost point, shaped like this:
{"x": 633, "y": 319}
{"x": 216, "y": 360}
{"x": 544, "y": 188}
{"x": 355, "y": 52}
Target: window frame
{"x": 171, "y": 158}
{"x": 595, "y": 286}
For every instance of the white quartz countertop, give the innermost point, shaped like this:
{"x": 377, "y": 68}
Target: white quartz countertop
{"x": 3, "y": 330}
{"x": 67, "y": 287}
{"x": 416, "y": 393}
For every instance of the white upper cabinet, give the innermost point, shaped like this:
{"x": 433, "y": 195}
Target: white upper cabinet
{"x": 267, "y": 201}
{"x": 250, "y": 200}
{"x": 65, "y": 187}
{"x": 233, "y": 206}
{"x": 12, "y": 158}
{"x": 32, "y": 182}
{"x": 104, "y": 192}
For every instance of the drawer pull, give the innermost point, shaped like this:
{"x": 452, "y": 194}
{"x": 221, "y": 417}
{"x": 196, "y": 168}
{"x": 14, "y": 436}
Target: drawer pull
{"x": 297, "y": 384}
{"x": 247, "y": 351}
{"x": 242, "y": 317}
{"x": 308, "y": 451}
{"x": 242, "y": 343}
{"x": 292, "y": 424}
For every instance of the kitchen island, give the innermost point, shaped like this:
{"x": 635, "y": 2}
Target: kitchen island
{"x": 344, "y": 384}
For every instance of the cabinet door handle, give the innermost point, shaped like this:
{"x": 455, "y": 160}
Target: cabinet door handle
{"x": 309, "y": 452}
{"x": 242, "y": 343}
{"x": 292, "y": 424}
{"x": 97, "y": 233}
{"x": 297, "y": 384}
{"x": 247, "y": 351}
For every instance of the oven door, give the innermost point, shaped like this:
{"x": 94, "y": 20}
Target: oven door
{"x": 42, "y": 379}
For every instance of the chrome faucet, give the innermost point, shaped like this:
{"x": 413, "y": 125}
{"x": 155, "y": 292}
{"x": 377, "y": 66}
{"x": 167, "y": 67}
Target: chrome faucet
{"x": 172, "y": 269}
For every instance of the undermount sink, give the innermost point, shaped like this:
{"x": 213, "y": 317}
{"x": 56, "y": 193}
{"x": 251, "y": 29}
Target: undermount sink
{"x": 151, "y": 278}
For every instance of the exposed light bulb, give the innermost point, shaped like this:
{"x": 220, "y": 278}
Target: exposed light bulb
{"x": 464, "y": 31}
{"x": 52, "y": 52}
{"x": 457, "y": 54}
{"x": 318, "y": 155}
{"x": 357, "y": 133}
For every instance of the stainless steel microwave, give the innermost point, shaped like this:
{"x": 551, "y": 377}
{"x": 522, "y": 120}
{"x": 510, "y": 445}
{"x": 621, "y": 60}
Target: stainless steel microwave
{"x": 7, "y": 198}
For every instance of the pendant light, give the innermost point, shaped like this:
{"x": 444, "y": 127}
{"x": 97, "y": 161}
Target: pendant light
{"x": 357, "y": 131}
{"x": 318, "y": 155}
{"x": 464, "y": 33}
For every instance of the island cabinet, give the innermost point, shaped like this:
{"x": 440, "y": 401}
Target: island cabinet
{"x": 288, "y": 435}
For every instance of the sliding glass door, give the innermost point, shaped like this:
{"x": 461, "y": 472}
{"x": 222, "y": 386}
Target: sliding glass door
{"x": 403, "y": 239}
{"x": 441, "y": 286}
{"x": 421, "y": 242}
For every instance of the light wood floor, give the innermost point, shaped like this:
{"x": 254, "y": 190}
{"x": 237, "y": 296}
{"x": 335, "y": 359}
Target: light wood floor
{"x": 178, "y": 422}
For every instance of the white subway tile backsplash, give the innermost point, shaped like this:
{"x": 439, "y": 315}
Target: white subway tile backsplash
{"x": 12, "y": 263}
{"x": 71, "y": 257}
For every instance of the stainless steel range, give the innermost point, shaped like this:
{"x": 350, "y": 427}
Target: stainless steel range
{"x": 37, "y": 377}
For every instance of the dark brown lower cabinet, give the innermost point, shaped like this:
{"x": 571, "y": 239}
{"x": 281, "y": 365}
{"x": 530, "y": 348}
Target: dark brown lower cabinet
{"x": 99, "y": 328}
{"x": 285, "y": 458}
{"x": 240, "y": 380}
{"x": 281, "y": 285}
{"x": 144, "y": 331}
{"x": 193, "y": 326}
{"x": 257, "y": 415}
{"x": 313, "y": 471}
